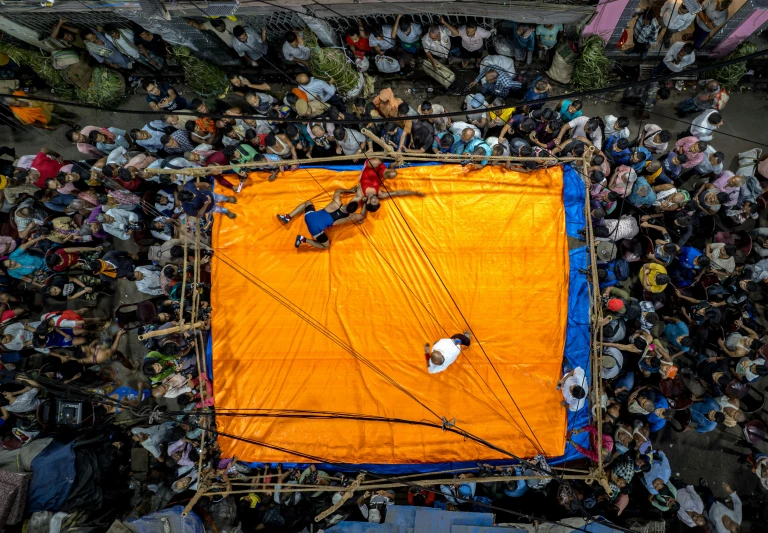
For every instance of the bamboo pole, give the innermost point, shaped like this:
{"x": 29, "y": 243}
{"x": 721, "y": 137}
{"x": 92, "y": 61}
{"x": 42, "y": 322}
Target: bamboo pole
{"x": 218, "y": 169}
{"x": 378, "y": 140}
{"x": 383, "y": 486}
{"x": 347, "y": 495}
{"x": 168, "y": 331}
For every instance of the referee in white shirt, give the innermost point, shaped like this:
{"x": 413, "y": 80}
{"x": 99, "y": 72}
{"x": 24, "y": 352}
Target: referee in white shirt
{"x": 445, "y": 351}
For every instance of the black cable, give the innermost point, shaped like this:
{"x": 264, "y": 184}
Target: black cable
{"x": 572, "y": 95}
{"x": 113, "y": 402}
{"x": 355, "y": 468}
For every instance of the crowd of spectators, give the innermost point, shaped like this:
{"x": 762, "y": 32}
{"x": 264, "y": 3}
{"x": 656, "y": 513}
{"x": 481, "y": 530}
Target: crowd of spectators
{"x": 679, "y": 276}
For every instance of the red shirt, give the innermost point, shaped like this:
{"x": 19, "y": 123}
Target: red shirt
{"x": 217, "y": 158}
{"x": 47, "y": 166}
{"x": 361, "y": 46}
{"x": 67, "y": 260}
{"x": 371, "y": 178}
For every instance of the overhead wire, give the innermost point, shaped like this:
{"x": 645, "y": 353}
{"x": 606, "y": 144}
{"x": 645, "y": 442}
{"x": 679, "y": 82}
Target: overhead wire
{"x": 575, "y": 94}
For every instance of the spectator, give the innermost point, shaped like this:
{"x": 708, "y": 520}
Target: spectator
{"x": 249, "y": 45}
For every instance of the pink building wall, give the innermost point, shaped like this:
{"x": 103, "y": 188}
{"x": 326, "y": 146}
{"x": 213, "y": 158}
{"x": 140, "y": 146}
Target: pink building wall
{"x": 744, "y": 30}
{"x": 606, "y": 17}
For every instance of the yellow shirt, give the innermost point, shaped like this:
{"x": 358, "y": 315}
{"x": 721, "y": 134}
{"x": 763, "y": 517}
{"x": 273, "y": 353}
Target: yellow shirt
{"x": 503, "y": 117}
{"x": 655, "y": 270}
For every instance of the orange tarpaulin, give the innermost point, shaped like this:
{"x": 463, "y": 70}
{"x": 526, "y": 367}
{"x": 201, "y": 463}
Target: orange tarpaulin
{"x": 497, "y": 241}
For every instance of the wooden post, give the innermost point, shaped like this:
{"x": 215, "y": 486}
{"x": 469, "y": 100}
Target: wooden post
{"x": 168, "y": 331}
{"x": 347, "y": 495}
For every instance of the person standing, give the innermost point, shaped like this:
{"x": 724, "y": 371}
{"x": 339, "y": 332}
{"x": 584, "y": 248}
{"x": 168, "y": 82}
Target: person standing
{"x": 408, "y": 34}
{"x": 524, "y": 39}
{"x": 249, "y": 45}
{"x": 445, "y": 352}
{"x": 691, "y": 512}
{"x": 321, "y": 91}
{"x": 294, "y": 49}
{"x": 679, "y": 56}
{"x": 546, "y": 39}
{"x": 644, "y": 33}
{"x": 713, "y": 14}
{"x": 704, "y": 125}
{"x": 223, "y": 28}
{"x": 472, "y": 42}
{"x": 676, "y": 17}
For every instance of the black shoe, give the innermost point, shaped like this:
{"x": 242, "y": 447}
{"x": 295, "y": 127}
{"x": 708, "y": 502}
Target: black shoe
{"x": 743, "y": 444}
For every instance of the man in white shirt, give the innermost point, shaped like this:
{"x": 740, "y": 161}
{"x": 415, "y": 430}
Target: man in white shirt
{"x": 408, "y": 33}
{"x": 676, "y": 16}
{"x": 472, "y": 41}
{"x": 381, "y": 39}
{"x": 722, "y": 517}
{"x": 445, "y": 352}
{"x": 249, "y": 45}
{"x": 703, "y": 126}
{"x": 294, "y": 49}
{"x": 437, "y": 43}
{"x": 654, "y": 138}
{"x": 221, "y": 28}
{"x": 691, "y": 512}
{"x": 679, "y": 56}
{"x": 574, "y": 387}
{"x": 457, "y": 129}
{"x": 349, "y": 141}
{"x": 148, "y": 279}
{"x": 321, "y": 91}
{"x": 712, "y": 162}
{"x": 119, "y": 222}
{"x": 372, "y": 511}
{"x": 713, "y": 14}
{"x": 148, "y": 137}
{"x": 583, "y": 126}
{"x": 616, "y": 126}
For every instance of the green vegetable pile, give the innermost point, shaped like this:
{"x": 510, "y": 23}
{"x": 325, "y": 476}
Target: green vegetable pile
{"x": 730, "y": 75}
{"x": 592, "y": 69}
{"x": 42, "y": 65}
{"x": 204, "y": 79}
{"x": 327, "y": 63}
{"x": 106, "y": 89}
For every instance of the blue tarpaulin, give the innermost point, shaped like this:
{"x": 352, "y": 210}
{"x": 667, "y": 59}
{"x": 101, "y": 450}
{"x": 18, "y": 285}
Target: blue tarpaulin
{"x": 53, "y": 473}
